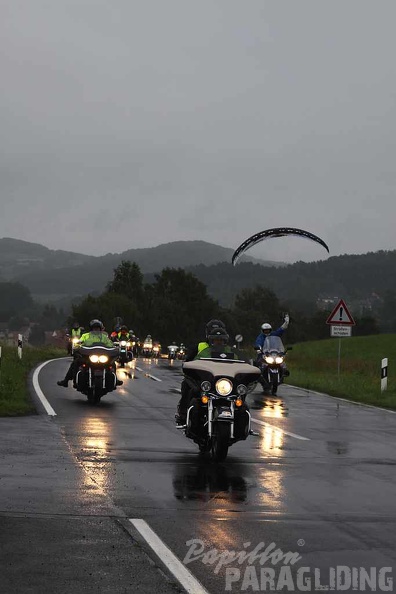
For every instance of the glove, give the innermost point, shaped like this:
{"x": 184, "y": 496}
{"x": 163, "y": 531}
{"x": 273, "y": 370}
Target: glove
{"x": 286, "y": 322}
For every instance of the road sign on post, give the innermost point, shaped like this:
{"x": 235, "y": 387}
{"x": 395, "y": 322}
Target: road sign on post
{"x": 340, "y": 315}
{"x": 341, "y": 322}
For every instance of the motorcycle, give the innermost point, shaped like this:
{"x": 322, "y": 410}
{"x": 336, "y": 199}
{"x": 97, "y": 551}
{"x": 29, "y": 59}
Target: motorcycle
{"x": 125, "y": 352}
{"x": 96, "y": 375}
{"x": 156, "y": 351}
{"x": 172, "y": 351}
{"x": 147, "y": 349}
{"x": 271, "y": 363}
{"x": 218, "y": 416}
{"x": 72, "y": 343}
{"x": 181, "y": 354}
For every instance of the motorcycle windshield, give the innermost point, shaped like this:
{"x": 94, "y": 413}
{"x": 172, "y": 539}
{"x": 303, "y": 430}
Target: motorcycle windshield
{"x": 273, "y": 343}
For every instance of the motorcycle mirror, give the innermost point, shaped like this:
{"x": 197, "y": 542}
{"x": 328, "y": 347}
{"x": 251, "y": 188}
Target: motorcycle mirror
{"x": 239, "y": 338}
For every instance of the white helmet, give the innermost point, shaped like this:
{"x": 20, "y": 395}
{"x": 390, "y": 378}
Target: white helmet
{"x": 266, "y": 327}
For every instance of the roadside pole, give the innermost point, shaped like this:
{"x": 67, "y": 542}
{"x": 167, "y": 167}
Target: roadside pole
{"x": 341, "y": 322}
{"x": 384, "y": 374}
{"x": 20, "y": 346}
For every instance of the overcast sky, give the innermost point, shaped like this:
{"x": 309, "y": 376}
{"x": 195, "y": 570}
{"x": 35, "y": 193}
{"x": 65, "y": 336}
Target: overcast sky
{"x": 130, "y": 123}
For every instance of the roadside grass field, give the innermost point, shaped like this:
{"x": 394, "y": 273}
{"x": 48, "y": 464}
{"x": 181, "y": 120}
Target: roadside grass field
{"x": 314, "y": 366}
{"x": 14, "y": 395}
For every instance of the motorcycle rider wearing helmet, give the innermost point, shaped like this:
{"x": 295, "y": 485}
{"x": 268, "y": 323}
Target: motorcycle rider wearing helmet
{"x": 266, "y": 330}
{"x": 77, "y": 330}
{"x": 191, "y": 354}
{"x": 95, "y": 336}
{"x": 217, "y": 342}
{"x": 123, "y": 334}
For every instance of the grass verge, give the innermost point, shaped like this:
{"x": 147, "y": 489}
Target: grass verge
{"x": 314, "y": 366}
{"x": 14, "y": 395}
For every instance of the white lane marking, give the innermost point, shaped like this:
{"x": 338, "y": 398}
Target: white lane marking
{"x": 39, "y": 392}
{"x": 314, "y": 393}
{"x": 295, "y": 435}
{"x": 157, "y": 379}
{"x": 176, "y": 567}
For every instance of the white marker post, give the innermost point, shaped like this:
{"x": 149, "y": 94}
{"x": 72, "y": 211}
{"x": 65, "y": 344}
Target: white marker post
{"x": 20, "y": 346}
{"x": 384, "y": 374}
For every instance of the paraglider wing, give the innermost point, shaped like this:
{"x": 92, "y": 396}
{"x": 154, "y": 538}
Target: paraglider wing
{"x": 277, "y": 232}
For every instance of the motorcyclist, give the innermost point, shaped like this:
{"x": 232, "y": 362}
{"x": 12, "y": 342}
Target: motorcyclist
{"x": 76, "y": 330}
{"x": 191, "y": 354}
{"x": 114, "y": 334}
{"x": 123, "y": 334}
{"x": 266, "y": 330}
{"x": 218, "y": 343}
{"x": 95, "y": 336}
{"x": 172, "y": 349}
{"x": 134, "y": 340}
{"x": 75, "y": 334}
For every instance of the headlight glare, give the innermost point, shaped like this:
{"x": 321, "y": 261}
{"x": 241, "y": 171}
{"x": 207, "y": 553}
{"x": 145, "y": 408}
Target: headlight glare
{"x": 279, "y": 360}
{"x": 94, "y": 358}
{"x": 103, "y": 358}
{"x": 223, "y": 387}
{"x": 269, "y": 360}
{"x": 123, "y": 343}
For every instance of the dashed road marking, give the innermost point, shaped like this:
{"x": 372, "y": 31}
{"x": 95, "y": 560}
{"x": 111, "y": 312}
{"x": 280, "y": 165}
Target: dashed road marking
{"x": 295, "y": 435}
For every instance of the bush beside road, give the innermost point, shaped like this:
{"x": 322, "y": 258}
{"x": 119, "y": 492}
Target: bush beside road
{"x": 14, "y": 395}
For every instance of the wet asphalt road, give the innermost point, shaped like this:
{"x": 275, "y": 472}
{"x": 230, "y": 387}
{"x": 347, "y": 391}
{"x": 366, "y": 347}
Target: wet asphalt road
{"x": 318, "y": 481}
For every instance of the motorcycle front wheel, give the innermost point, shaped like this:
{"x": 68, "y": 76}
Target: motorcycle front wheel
{"x": 220, "y": 441}
{"x": 94, "y": 395}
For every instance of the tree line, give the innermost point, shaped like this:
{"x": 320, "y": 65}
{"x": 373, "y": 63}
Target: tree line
{"x": 176, "y": 305}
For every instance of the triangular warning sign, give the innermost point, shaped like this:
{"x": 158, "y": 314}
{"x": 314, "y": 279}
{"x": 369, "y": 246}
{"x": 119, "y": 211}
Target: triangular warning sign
{"x": 340, "y": 315}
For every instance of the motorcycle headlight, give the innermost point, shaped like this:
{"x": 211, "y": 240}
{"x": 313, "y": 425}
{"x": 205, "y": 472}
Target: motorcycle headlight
{"x": 242, "y": 389}
{"x": 75, "y": 340}
{"x": 123, "y": 343}
{"x": 279, "y": 360}
{"x": 205, "y": 386}
{"x": 128, "y": 344}
{"x": 269, "y": 360}
{"x": 103, "y": 358}
{"x": 94, "y": 358}
{"x": 223, "y": 387}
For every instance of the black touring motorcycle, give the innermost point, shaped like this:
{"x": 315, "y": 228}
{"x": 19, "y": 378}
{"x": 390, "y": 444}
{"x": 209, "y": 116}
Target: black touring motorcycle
{"x": 96, "y": 375}
{"x": 218, "y": 416}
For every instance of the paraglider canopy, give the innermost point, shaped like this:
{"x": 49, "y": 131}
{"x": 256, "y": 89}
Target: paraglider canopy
{"x": 277, "y": 232}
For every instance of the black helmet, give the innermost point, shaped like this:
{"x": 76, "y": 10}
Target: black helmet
{"x": 125, "y": 328}
{"x": 218, "y": 334}
{"x": 76, "y": 325}
{"x": 212, "y": 324}
{"x": 95, "y": 324}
